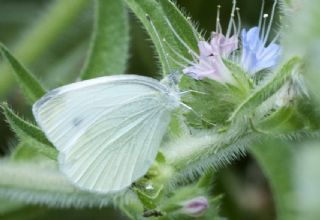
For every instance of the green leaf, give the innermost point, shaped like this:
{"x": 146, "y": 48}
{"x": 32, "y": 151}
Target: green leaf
{"x": 29, "y": 149}
{"x": 31, "y": 87}
{"x": 109, "y": 50}
{"x": 66, "y": 69}
{"x": 171, "y": 46}
{"x": 22, "y": 127}
{"x": 27, "y": 131}
{"x": 283, "y": 120}
{"x": 9, "y": 206}
{"x": 131, "y": 206}
{"x": 37, "y": 39}
{"x": 212, "y": 102}
{"x": 306, "y": 174}
{"x": 267, "y": 89}
{"x": 43, "y": 183}
{"x": 16, "y": 211}
{"x": 181, "y": 24}
{"x": 276, "y": 159}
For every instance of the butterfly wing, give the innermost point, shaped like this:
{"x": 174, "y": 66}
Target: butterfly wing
{"x": 107, "y": 130}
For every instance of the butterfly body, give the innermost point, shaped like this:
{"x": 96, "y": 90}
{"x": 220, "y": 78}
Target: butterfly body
{"x": 107, "y": 130}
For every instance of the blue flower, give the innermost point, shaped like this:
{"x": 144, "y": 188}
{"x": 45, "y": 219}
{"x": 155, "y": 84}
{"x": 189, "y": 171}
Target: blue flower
{"x": 255, "y": 55}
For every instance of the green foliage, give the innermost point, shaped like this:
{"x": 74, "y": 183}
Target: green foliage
{"x": 305, "y": 196}
{"x": 275, "y": 159}
{"x": 109, "y": 50}
{"x": 193, "y": 155}
{"x": 54, "y": 21}
{"x": 27, "y": 132}
{"x": 182, "y": 24}
{"x": 163, "y": 33}
{"x": 29, "y": 149}
{"x": 18, "y": 211}
{"x": 222, "y": 120}
{"x": 23, "y": 128}
{"x": 31, "y": 87}
{"x": 9, "y": 206}
{"x": 42, "y": 183}
{"x": 267, "y": 89}
{"x": 173, "y": 205}
{"x": 211, "y": 102}
{"x": 283, "y": 120}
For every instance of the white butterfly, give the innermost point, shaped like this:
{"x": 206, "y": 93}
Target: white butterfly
{"x": 107, "y": 130}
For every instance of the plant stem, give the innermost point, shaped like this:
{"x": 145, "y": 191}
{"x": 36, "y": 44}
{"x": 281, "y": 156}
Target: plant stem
{"x": 205, "y": 150}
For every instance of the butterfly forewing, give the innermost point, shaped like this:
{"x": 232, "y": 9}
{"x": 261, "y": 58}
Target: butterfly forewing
{"x": 107, "y": 130}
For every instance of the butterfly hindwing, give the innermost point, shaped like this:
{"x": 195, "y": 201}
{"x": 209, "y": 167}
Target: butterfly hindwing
{"x": 107, "y": 130}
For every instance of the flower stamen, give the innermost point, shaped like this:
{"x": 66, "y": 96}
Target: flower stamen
{"x": 239, "y": 21}
{"x": 261, "y": 14}
{"x": 218, "y": 25}
{"x": 271, "y": 20}
{"x": 231, "y": 20}
{"x": 263, "y": 29}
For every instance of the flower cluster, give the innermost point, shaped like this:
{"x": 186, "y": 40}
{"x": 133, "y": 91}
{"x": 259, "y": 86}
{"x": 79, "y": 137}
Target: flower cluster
{"x": 210, "y": 63}
{"x": 253, "y": 54}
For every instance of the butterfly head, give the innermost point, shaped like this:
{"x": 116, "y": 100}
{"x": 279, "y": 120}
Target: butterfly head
{"x": 171, "y": 82}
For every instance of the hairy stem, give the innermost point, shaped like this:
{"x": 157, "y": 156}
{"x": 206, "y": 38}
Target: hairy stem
{"x": 208, "y": 149}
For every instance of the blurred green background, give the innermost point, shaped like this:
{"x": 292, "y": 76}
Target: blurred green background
{"x": 246, "y": 192}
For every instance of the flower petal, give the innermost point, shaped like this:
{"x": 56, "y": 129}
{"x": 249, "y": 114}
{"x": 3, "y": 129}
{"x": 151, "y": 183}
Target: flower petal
{"x": 255, "y": 56}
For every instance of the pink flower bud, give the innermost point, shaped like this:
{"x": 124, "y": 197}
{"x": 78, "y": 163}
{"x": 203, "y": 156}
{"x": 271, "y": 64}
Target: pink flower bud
{"x": 195, "y": 207}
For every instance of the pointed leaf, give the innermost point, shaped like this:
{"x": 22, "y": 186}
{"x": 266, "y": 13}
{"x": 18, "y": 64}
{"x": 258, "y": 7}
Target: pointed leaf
{"x": 181, "y": 23}
{"x": 22, "y": 127}
{"x": 267, "y": 89}
{"x": 29, "y": 149}
{"x": 109, "y": 50}
{"x": 31, "y": 87}
{"x": 276, "y": 159}
{"x": 171, "y": 47}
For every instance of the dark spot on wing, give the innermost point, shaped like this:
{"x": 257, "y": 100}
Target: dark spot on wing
{"x": 76, "y": 122}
